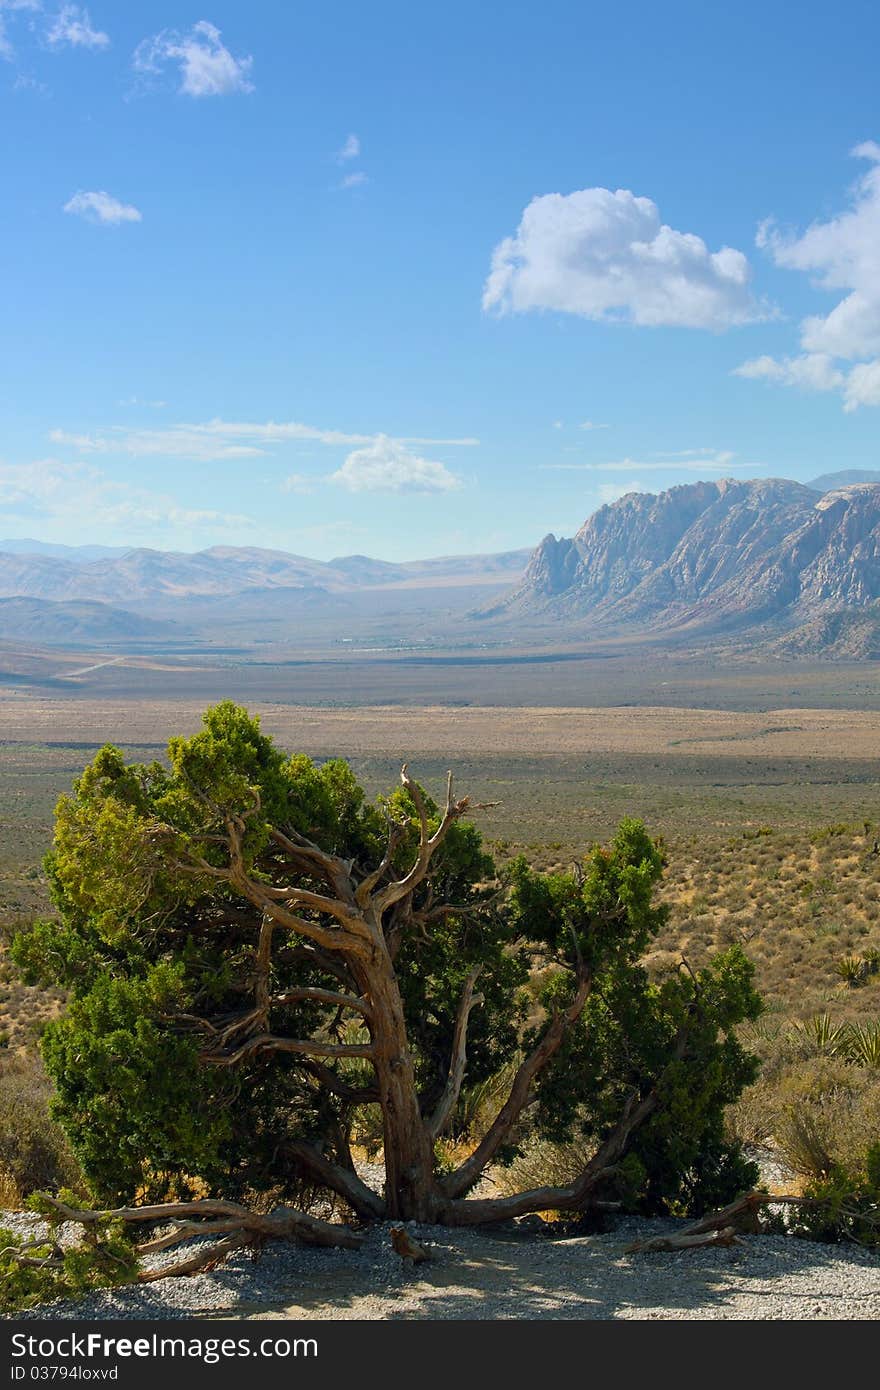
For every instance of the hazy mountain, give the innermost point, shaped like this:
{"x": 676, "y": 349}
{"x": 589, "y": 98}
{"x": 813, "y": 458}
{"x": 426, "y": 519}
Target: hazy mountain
{"x": 77, "y": 554}
{"x": 141, "y": 575}
{"x": 47, "y": 623}
{"x": 712, "y": 555}
{"x": 830, "y": 482}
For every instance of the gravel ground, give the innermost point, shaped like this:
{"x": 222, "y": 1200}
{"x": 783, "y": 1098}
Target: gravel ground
{"x": 509, "y": 1274}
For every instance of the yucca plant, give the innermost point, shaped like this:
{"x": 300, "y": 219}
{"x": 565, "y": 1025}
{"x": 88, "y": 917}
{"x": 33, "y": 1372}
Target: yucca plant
{"x": 851, "y": 970}
{"x": 863, "y": 1044}
{"x": 871, "y": 961}
{"x": 822, "y": 1034}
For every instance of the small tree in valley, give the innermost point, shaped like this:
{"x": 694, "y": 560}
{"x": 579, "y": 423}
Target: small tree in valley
{"x": 257, "y": 958}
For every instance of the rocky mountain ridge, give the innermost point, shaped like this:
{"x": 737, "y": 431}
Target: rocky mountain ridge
{"x": 715, "y": 555}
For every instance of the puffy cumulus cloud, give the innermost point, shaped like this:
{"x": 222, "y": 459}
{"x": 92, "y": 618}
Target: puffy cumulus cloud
{"x": 863, "y": 385}
{"x": 842, "y": 256}
{"x": 72, "y": 27}
{"x": 102, "y": 208}
{"x": 386, "y": 465}
{"x": 607, "y": 255}
{"x": 205, "y": 64}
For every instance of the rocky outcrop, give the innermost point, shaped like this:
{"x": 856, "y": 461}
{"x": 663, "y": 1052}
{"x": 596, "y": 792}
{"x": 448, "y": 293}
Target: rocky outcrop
{"x": 712, "y": 555}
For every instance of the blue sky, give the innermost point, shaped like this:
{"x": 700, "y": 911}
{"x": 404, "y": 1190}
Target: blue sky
{"x": 407, "y": 280}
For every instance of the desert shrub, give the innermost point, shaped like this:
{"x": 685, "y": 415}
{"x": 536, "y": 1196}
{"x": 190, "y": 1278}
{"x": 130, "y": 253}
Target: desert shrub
{"x": 826, "y": 1116}
{"x": 34, "y": 1153}
{"x": 539, "y": 1163}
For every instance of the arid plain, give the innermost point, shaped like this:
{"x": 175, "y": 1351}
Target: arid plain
{"x": 762, "y": 778}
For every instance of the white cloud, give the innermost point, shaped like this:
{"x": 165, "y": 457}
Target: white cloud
{"x": 10, "y": 6}
{"x": 812, "y": 371}
{"x": 840, "y": 255}
{"x": 72, "y": 25}
{"x": 686, "y": 461}
{"x": 82, "y": 496}
{"x": 386, "y": 465}
{"x": 102, "y": 208}
{"x": 863, "y": 386}
{"x": 591, "y": 425}
{"x": 218, "y": 439}
{"x": 206, "y": 66}
{"x": 607, "y": 256}
{"x": 350, "y": 150}
{"x": 354, "y": 180}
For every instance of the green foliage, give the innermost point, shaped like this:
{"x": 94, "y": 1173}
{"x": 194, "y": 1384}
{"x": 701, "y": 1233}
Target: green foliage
{"x": 130, "y": 1092}
{"x": 844, "y": 1204}
{"x": 629, "y": 1034}
{"x": 156, "y": 948}
{"x": 35, "y": 1270}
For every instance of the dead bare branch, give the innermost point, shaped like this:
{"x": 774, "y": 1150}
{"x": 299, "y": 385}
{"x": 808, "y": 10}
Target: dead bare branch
{"x": 428, "y": 843}
{"x": 458, "y": 1061}
{"x": 468, "y": 1173}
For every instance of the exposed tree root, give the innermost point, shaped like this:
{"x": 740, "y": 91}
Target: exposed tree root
{"x": 718, "y": 1227}
{"x": 206, "y": 1219}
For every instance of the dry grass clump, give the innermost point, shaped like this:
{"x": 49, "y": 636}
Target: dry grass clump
{"x": 827, "y": 1116}
{"x": 34, "y": 1154}
{"x": 541, "y": 1164}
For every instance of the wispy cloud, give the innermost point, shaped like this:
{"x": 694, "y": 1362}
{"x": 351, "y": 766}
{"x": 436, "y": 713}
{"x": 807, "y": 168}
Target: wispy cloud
{"x": 205, "y": 66}
{"x": 7, "y": 50}
{"x": 612, "y": 492}
{"x": 219, "y": 439}
{"x": 350, "y": 149}
{"x": 355, "y": 180}
{"x": 606, "y": 255}
{"x": 386, "y": 465}
{"x": 716, "y": 461}
{"x": 298, "y": 483}
{"x": 72, "y": 27}
{"x": 592, "y": 425}
{"x": 102, "y": 208}
{"x": 811, "y": 371}
{"x": 82, "y": 495}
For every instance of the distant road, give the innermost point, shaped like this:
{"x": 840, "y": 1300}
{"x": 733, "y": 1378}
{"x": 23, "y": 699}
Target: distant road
{"x": 86, "y": 670}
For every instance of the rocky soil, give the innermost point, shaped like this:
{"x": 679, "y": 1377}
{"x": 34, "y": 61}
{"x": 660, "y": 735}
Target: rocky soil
{"x": 515, "y": 1273}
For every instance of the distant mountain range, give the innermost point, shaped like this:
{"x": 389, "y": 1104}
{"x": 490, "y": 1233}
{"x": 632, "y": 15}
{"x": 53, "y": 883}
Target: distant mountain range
{"x": 135, "y": 576}
{"x": 233, "y": 594}
{"x": 795, "y": 564}
{"x": 716, "y": 557}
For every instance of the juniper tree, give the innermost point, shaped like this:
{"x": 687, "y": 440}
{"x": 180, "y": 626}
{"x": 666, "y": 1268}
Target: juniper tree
{"x": 256, "y": 957}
